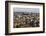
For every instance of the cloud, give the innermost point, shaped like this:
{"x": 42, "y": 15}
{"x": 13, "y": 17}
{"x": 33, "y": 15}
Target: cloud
{"x": 33, "y": 10}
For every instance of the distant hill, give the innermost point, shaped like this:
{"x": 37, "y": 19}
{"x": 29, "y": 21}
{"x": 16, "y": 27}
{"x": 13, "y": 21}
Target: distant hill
{"x": 25, "y": 13}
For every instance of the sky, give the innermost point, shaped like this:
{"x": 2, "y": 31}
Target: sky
{"x": 33, "y": 10}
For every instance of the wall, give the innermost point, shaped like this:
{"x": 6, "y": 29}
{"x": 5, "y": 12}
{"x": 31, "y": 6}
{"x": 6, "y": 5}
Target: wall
{"x": 2, "y": 18}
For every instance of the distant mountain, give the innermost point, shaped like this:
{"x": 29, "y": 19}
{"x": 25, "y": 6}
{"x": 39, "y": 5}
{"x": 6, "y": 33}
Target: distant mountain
{"x": 25, "y": 13}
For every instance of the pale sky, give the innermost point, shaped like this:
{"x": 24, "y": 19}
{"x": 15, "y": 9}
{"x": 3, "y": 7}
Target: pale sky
{"x": 33, "y": 10}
